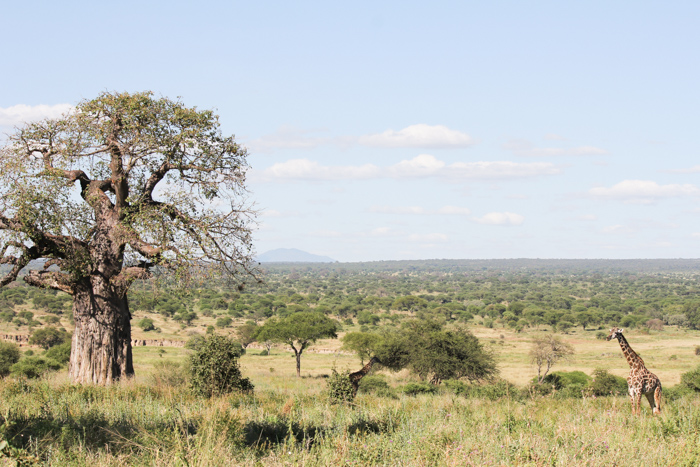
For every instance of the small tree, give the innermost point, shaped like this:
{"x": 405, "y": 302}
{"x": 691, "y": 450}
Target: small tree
{"x": 214, "y": 367}
{"x": 362, "y": 343}
{"x": 246, "y": 334}
{"x": 429, "y": 350}
{"x": 48, "y": 337}
{"x": 299, "y": 331}
{"x": 146, "y": 324}
{"x": 546, "y": 351}
{"x": 9, "y": 355}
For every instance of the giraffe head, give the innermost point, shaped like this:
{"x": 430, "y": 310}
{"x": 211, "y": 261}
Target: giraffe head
{"x": 375, "y": 360}
{"x": 615, "y": 333}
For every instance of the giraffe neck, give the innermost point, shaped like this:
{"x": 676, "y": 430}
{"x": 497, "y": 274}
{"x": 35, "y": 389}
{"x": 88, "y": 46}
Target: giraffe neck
{"x": 365, "y": 369}
{"x": 633, "y": 359}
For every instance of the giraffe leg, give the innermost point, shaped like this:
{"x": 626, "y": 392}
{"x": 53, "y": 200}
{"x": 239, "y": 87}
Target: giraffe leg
{"x": 637, "y": 404}
{"x": 657, "y": 398}
{"x": 650, "y": 398}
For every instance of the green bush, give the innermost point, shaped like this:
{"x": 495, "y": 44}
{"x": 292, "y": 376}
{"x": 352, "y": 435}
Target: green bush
{"x": 456, "y": 386}
{"x": 691, "y": 379}
{"x": 214, "y": 367}
{"x": 339, "y": 387}
{"x": 9, "y": 355}
{"x": 146, "y": 324}
{"x": 373, "y": 384}
{"x": 605, "y": 384}
{"x": 34, "y": 367}
{"x": 413, "y": 389}
{"x": 223, "y": 322}
{"x": 49, "y": 337}
{"x": 169, "y": 373}
{"x": 59, "y": 353}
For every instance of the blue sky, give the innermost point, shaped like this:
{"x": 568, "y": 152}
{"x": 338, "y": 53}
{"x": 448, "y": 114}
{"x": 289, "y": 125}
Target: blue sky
{"x": 410, "y": 130}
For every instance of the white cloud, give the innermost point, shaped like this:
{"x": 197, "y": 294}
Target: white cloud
{"x": 421, "y": 166}
{"x": 417, "y": 210}
{"x": 305, "y": 169}
{"x": 20, "y": 113}
{"x": 643, "y": 191}
{"x": 587, "y": 217}
{"x": 527, "y": 149}
{"x": 500, "y": 218}
{"x": 419, "y": 136}
{"x": 499, "y": 170}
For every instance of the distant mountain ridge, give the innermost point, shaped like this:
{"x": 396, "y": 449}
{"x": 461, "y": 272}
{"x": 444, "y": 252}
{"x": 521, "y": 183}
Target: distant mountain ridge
{"x": 292, "y": 255}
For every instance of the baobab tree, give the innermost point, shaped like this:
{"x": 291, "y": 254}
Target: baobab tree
{"x": 121, "y": 187}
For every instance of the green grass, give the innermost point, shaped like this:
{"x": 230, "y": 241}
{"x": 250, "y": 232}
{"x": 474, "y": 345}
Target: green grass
{"x": 136, "y": 424}
{"x": 291, "y": 421}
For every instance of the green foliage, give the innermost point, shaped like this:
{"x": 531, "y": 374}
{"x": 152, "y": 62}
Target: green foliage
{"x": 362, "y": 343}
{"x": 298, "y": 330}
{"x": 59, "y": 353}
{"x": 9, "y": 355}
{"x": 413, "y": 389}
{"x": 691, "y": 379}
{"x": 223, "y": 322}
{"x": 339, "y": 387}
{"x": 214, "y": 367}
{"x": 605, "y": 384}
{"x": 34, "y": 367}
{"x": 49, "y": 337}
{"x": 374, "y": 384}
{"x": 146, "y": 324}
{"x": 431, "y": 351}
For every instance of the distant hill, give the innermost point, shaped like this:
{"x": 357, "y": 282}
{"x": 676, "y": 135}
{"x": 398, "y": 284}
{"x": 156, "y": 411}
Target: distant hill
{"x": 292, "y": 255}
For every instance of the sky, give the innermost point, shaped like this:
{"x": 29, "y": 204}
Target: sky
{"x": 409, "y": 130}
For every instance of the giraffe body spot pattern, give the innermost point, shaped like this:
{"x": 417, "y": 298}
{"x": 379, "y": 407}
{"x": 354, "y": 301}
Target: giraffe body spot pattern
{"x": 640, "y": 380}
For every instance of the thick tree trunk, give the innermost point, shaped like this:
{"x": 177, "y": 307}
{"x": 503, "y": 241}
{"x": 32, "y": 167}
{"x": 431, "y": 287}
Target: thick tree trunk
{"x": 101, "y": 348}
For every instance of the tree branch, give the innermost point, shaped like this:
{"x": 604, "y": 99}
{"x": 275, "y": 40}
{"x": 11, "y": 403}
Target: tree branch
{"x": 50, "y": 280}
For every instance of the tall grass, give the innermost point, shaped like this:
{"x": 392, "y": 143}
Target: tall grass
{"x": 139, "y": 424}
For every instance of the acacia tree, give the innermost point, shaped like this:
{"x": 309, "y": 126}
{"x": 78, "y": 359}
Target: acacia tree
{"x": 298, "y": 330}
{"x": 546, "y": 351}
{"x": 123, "y": 186}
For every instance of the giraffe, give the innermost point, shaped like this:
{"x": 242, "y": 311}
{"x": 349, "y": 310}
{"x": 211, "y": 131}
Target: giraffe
{"x": 640, "y": 380}
{"x": 357, "y": 376}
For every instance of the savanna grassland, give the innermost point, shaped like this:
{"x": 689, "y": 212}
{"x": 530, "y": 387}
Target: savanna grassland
{"x": 154, "y": 419}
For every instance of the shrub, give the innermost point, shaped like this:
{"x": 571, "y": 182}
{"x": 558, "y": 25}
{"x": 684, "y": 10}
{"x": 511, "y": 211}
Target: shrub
{"x": 9, "y": 355}
{"x": 605, "y": 384}
{"x": 146, "y": 324}
{"x": 223, "y": 322}
{"x": 455, "y": 386}
{"x": 59, "y": 353}
{"x": 373, "y": 384}
{"x": 691, "y": 379}
{"x": 339, "y": 387}
{"x": 600, "y": 335}
{"x": 413, "y": 389}
{"x": 169, "y": 374}
{"x": 49, "y": 337}
{"x": 214, "y": 367}
{"x": 34, "y": 367}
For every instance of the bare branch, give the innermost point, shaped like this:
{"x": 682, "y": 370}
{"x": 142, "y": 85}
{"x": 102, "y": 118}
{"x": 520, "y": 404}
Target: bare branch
{"x": 51, "y": 280}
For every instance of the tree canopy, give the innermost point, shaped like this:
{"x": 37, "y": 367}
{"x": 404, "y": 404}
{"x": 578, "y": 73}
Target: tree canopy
{"x": 430, "y": 350}
{"x": 299, "y": 331}
{"x": 124, "y": 185}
